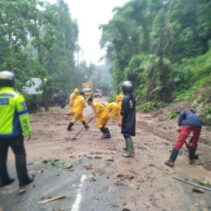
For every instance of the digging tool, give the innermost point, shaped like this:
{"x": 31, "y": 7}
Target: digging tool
{"x": 193, "y": 184}
{"x": 75, "y": 136}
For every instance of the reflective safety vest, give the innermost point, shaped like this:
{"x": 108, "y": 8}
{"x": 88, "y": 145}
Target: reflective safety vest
{"x": 14, "y": 118}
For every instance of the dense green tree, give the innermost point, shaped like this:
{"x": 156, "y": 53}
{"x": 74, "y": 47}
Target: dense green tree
{"x": 17, "y": 25}
{"x": 169, "y": 30}
{"x": 38, "y": 39}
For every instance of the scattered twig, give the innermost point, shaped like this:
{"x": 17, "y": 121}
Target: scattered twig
{"x": 52, "y": 199}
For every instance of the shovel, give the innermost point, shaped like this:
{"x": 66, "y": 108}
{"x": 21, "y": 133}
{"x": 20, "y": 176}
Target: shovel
{"x": 77, "y": 134}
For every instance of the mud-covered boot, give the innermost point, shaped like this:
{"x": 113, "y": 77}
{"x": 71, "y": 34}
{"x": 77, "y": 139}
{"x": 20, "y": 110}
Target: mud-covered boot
{"x": 172, "y": 158}
{"x": 69, "y": 128}
{"x": 129, "y": 152}
{"x": 85, "y": 125}
{"x": 192, "y": 156}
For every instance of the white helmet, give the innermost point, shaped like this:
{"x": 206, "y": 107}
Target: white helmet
{"x": 7, "y": 78}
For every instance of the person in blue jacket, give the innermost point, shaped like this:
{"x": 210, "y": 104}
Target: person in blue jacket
{"x": 188, "y": 122}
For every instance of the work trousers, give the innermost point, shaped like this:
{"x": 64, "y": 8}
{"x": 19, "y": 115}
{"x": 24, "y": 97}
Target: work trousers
{"x": 17, "y": 146}
{"x": 185, "y": 132}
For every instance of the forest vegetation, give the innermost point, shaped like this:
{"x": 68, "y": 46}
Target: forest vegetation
{"x": 164, "y": 47}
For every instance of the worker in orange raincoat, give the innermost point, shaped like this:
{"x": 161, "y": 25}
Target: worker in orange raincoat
{"x": 102, "y": 116}
{"x": 73, "y": 95}
{"x": 77, "y": 108}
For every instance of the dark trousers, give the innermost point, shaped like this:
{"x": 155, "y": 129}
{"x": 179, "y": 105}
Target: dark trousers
{"x": 17, "y": 146}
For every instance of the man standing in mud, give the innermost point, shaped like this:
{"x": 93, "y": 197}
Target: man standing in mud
{"x": 128, "y": 113}
{"x": 14, "y": 126}
{"x": 188, "y": 122}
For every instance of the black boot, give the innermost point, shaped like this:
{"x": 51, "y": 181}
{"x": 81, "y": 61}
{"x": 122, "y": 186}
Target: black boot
{"x": 172, "y": 158}
{"x": 192, "y": 156}
{"x": 102, "y": 129}
{"x": 107, "y": 133}
{"x": 85, "y": 125}
{"x": 69, "y": 128}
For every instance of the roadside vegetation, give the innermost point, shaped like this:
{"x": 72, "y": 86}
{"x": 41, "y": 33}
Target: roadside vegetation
{"x": 164, "y": 48}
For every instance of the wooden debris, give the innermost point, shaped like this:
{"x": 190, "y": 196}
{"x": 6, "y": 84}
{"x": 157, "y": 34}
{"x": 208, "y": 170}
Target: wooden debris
{"x": 20, "y": 191}
{"x": 52, "y": 199}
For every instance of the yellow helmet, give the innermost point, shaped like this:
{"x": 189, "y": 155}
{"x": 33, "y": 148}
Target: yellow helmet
{"x": 76, "y": 91}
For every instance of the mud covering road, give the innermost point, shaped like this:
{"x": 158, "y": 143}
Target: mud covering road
{"x": 93, "y": 176}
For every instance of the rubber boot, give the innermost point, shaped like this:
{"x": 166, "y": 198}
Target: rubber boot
{"x": 22, "y": 172}
{"x": 107, "y": 133}
{"x": 192, "y": 156}
{"x": 130, "y": 148}
{"x": 85, "y": 125}
{"x": 126, "y": 146}
{"x": 102, "y": 129}
{"x": 172, "y": 158}
{"x": 69, "y": 128}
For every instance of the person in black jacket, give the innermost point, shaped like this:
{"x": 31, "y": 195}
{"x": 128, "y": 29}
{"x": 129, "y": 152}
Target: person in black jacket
{"x": 188, "y": 122}
{"x": 128, "y": 113}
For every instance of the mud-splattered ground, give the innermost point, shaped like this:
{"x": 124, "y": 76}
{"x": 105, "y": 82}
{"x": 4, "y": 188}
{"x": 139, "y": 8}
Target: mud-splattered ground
{"x": 111, "y": 182}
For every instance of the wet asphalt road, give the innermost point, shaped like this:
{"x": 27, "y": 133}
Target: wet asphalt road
{"x": 94, "y": 193}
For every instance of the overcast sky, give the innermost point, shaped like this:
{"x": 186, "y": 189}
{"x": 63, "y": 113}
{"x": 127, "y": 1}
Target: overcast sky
{"x": 90, "y": 14}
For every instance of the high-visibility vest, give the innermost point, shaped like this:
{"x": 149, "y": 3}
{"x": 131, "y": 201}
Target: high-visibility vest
{"x": 14, "y": 118}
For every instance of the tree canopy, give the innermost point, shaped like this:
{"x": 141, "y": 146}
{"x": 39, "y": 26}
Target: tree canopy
{"x": 146, "y": 40}
{"x": 38, "y": 39}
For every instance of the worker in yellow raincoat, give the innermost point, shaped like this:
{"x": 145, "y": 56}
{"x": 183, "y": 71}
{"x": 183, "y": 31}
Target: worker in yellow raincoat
{"x": 73, "y": 95}
{"x": 102, "y": 116}
{"x": 119, "y": 98}
{"x": 78, "y": 106}
{"x": 114, "y": 110}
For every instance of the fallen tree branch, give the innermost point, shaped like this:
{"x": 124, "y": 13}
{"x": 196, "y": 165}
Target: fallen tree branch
{"x": 52, "y": 199}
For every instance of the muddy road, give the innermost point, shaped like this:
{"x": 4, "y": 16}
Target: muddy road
{"x": 91, "y": 174}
